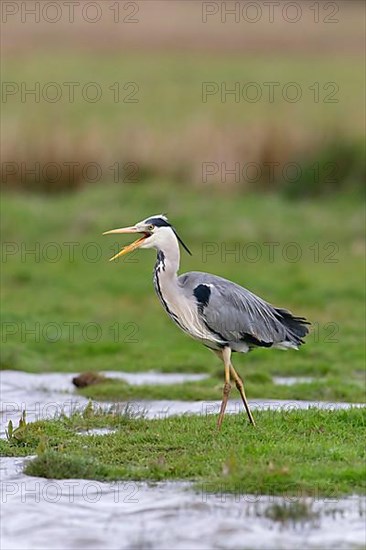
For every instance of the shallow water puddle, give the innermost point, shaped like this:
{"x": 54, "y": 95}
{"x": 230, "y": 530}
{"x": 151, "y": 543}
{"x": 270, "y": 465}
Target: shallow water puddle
{"x": 81, "y": 514}
{"x": 48, "y": 395}
{"x": 292, "y": 380}
{"x": 155, "y": 378}
{"x": 97, "y": 431}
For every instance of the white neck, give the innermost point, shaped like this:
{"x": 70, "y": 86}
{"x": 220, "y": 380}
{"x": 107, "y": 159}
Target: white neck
{"x": 168, "y": 258}
{"x": 167, "y": 287}
{"x": 166, "y": 280}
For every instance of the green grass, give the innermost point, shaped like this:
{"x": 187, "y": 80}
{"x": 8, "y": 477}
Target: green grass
{"x": 135, "y": 334}
{"x": 318, "y": 453}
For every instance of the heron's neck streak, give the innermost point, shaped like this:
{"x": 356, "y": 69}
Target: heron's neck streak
{"x": 165, "y": 272}
{"x": 166, "y": 281}
{"x": 168, "y": 259}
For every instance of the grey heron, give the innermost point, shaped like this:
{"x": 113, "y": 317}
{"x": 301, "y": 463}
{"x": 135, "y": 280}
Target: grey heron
{"x": 222, "y": 315}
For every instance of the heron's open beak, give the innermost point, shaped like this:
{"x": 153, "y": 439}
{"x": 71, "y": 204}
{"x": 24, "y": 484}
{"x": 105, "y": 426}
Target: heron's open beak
{"x": 130, "y": 247}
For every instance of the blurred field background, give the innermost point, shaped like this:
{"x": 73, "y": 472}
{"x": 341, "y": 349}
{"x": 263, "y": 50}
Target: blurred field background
{"x": 160, "y": 143}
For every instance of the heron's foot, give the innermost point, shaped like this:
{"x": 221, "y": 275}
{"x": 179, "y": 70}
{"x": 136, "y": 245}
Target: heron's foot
{"x": 225, "y": 397}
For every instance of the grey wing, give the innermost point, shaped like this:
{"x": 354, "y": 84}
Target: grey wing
{"x": 237, "y": 315}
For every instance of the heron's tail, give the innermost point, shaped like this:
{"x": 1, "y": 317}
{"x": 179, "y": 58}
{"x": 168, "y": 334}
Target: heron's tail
{"x": 297, "y": 327}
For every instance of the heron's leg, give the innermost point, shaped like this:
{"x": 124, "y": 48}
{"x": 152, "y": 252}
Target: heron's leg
{"x": 225, "y": 356}
{"x": 239, "y": 384}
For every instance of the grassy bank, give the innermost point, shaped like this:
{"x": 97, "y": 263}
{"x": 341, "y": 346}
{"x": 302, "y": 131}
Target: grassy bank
{"x": 257, "y": 385}
{"x": 316, "y": 453}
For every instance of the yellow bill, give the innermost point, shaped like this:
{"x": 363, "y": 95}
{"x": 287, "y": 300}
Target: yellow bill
{"x": 130, "y": 247}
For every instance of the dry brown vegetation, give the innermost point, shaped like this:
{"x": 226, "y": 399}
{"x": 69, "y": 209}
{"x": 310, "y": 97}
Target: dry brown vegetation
{"x": 179, "y": 150}
{"x": 261, "y": 158}
{"x": 179, "y": 25}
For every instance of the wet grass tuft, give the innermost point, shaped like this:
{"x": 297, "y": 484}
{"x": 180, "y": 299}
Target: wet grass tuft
{"x": 56, "y": 465}
{"x": 292, "y": 512}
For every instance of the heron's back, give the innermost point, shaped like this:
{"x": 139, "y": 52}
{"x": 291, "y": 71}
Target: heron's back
{"x": 236, "y": 317}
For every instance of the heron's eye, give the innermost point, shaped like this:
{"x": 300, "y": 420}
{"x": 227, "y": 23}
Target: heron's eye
{"x": 150, "y": 227}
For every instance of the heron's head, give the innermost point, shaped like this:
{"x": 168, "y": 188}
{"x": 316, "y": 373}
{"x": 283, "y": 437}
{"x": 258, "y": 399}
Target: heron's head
{"x": 156, "y": 232}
